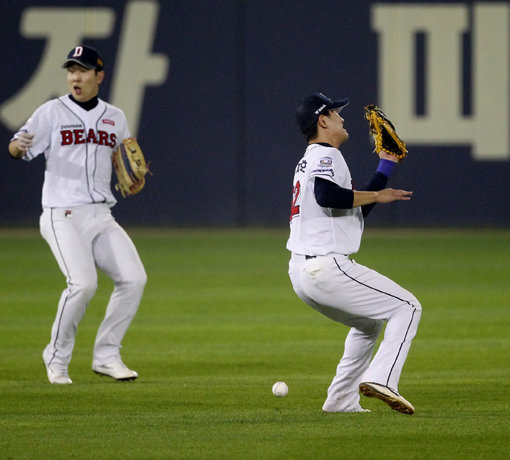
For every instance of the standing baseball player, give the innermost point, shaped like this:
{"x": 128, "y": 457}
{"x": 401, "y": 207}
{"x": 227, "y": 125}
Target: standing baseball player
{"x": 326, "y": 225}
{"x": 77, "y": 134}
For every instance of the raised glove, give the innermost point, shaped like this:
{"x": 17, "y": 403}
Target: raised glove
{"x": 130, "y": 167}
{"x": 385, "y": 137}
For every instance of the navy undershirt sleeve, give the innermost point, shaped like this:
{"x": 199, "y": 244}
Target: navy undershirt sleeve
{"x": 330, "y": 195}
{"x": 376, "y": 183}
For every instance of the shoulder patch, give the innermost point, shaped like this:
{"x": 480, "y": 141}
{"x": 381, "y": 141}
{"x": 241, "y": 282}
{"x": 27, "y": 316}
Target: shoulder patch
{"x": 325, "y": 162}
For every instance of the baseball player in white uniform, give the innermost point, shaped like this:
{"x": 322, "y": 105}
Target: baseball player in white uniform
{"x": 326, "y": 225}
{"x": 77, "y": 133}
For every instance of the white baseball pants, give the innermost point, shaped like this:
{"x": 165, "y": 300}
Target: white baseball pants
{"x": 82, "y": 238}
{"x": 364, "y": 300}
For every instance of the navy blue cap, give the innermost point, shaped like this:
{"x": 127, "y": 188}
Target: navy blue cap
{"x": 86, "y": 56}
{"x": 311, "y": 107}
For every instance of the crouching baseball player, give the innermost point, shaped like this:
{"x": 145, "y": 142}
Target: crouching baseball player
{"x": 326, "y": 225}
{"x": 77, "y": 134}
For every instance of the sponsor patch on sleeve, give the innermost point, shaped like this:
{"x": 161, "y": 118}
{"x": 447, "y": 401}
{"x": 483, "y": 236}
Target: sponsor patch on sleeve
{"x": 325, "y": 162}
{"x": 324, "y": 168}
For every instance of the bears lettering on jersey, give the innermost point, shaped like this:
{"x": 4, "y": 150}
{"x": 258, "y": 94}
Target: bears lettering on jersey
{"x": 78, "y": 136}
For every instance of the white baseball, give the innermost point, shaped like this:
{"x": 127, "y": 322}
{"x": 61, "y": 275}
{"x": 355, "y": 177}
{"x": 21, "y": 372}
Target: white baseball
{"x": 280, "y": 389}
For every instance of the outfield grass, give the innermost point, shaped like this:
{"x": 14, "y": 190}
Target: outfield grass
{"x": 219, "y": 324}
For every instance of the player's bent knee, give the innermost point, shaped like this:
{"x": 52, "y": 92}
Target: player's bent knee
{"x": 84, "y": 289}
{"x": 141, "y": 280}
{"x": 417, "y": 305}
{"x": 134, "y": 283}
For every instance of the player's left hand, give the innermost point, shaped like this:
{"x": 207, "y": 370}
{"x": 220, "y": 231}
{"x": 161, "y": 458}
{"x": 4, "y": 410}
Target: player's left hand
{"x": 384, "y": 134}
{"x": 386, "y": 156}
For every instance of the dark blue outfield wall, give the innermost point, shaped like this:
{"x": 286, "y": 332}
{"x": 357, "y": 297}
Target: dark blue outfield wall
{"x": 210, "y": 88}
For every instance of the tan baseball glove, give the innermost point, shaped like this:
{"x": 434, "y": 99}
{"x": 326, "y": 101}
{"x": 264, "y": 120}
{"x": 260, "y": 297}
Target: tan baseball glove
{"x": 385, "y": 137}
{"x": 130, "y": 167}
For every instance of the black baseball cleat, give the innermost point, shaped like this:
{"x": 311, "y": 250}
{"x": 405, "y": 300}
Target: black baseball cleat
{"x": 387, "y": 395}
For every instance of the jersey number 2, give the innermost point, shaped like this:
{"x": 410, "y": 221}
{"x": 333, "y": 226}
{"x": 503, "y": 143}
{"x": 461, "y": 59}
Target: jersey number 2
{"x": 294, "y": 209}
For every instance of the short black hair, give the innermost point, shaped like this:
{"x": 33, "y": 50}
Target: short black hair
{"x": 311, "y": 133}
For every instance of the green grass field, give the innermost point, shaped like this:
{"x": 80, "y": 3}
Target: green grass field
{"x": 219, "y": 324}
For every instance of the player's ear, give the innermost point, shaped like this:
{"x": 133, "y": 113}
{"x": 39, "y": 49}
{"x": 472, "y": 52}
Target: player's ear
{"x": 100, "y": 77}
{"x": 322, "y": 122}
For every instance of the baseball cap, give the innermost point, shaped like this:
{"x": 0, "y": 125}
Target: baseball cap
{"x": 311, "y": 107}
{"x": 86, "y": 56}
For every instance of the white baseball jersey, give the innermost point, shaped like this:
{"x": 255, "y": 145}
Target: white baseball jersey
{"x": 315, "y": 230}
{"x": 343, "y": 290}
{"x": 78, "y": 145}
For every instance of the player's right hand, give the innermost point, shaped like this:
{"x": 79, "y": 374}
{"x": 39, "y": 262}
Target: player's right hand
{"x": 388, "y": 195}
{"x": 25, "y": 141}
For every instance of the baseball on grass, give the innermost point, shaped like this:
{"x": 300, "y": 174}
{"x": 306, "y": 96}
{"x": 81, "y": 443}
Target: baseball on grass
{"x": 280, "y": 389}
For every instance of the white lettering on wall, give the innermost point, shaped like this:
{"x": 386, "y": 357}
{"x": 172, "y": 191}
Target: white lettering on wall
{"x": 486, "y": 128}
{"x": 136, "y": 66}
{"x": 62, "y": 28}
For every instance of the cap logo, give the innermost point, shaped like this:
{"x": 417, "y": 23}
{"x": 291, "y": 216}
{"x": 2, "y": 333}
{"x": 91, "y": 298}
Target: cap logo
{"x": 78, "y": 51}
{"x": 319, "y": 110}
